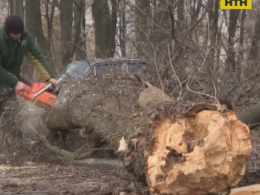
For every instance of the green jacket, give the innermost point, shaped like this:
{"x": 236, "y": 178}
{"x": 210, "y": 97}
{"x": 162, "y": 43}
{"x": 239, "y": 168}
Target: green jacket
{"x": 12, "y": 54}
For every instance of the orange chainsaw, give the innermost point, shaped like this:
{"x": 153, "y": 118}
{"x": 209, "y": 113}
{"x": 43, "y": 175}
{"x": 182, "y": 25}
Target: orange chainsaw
{"x": 38, "y": 93}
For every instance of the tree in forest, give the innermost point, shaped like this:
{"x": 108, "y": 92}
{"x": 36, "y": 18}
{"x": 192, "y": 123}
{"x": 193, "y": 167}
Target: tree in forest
{"x": 105, "y": 22}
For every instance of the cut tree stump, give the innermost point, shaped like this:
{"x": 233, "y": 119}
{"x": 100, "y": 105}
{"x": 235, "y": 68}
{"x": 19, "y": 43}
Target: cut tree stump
{"x": 192, "y": 150}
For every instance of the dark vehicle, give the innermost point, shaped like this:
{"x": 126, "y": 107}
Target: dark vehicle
{"x": 102, "y": 67}
{"x": 99, "y": 68}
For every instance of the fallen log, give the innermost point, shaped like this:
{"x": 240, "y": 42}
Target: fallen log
{"x": 199, "y": 150}
{"x": 187, "y": 148}
{"x": 173, "y": 147}
{"x": 84, "y": 102}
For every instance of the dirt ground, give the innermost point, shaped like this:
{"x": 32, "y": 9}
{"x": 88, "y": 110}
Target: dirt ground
{"x": 45, "y": 179}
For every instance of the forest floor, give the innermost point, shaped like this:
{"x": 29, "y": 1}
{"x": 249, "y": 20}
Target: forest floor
{"x": 46, "y": 179}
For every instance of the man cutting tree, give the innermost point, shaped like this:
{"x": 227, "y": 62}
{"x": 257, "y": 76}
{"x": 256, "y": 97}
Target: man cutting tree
{"x": 15, "y": 43}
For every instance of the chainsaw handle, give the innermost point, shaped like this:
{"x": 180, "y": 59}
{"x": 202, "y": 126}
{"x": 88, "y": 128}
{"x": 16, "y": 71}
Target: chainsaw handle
{"x": 47, "y": 86}
{"x": 42, "y": 90}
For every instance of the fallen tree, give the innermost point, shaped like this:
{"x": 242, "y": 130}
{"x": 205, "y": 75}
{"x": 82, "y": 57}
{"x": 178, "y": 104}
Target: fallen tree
{"x": 163, "y": 143}
{"x": 173, "y": 147}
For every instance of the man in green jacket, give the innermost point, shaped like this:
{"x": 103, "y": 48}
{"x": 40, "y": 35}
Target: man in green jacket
{"x": 15, "y": 43}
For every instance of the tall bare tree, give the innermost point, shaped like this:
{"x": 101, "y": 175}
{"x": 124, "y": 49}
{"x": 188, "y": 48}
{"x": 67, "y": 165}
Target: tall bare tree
{"x": 142, "y": 15}
{"x": 233, "y": 19}
{"x": 122, "y": 29}
{"x": 80, "y": 29}
{"x": 33, "y": 22}
{"x": 66, "y": 19}
{"x": 16, "y": 7}
{"x": 161, "y": 23}
{"x": 105, "y": 27}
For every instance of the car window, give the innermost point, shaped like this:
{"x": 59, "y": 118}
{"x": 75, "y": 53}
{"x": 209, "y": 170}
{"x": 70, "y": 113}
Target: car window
{"x": 77, "y": 69}
{"x": 122, "y": 69}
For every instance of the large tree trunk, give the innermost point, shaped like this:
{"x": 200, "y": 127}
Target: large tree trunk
{"x": 164, "y": 143}
{"x": 78, "y": 107}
